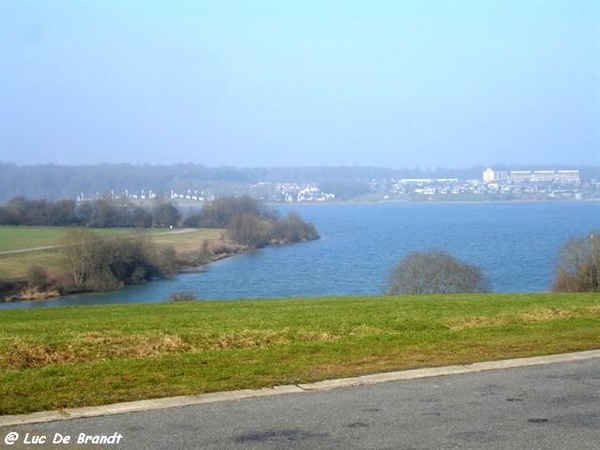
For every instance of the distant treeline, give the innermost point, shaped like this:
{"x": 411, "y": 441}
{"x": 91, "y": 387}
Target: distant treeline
{"x": 101, "y": 213}
{"x": 249, "y": 221}
{"x": 55, "y": 182}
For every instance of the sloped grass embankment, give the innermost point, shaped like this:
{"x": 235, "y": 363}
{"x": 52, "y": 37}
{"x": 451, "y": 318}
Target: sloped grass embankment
{"x": 83, "y": 356}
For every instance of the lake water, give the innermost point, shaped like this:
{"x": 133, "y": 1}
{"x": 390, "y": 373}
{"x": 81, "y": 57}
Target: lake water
{"x": 516, "y": 245}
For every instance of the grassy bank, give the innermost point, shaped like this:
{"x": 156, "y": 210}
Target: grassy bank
{"x": 29, "y": 242}
{"x": 80, "y": 356}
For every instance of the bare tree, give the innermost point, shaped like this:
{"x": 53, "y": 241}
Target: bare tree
{"x": 435, "y": 272}
{"x": 77, "y": 254}
{"x": 578, "y": 268}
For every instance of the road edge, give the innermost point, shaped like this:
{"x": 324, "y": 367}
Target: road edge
{"x": 326, "y": 385}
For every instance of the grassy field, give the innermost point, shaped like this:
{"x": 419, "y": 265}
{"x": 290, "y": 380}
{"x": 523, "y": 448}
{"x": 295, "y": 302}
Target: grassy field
{"x": 81, "y": 356}
{"x": 18, "y": 238}
{"x": 189, "y": 240}
{"x": 16, "y": 265}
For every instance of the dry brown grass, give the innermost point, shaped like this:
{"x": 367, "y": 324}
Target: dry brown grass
{"x": 24, "y": 355}
{"x": 546, "y": 314}
{"x": 95, "y": 347}
{"x": 538, "y": 315}
{"x": 91, "y": 347}
{"x": 250, "y": 339}
{"x": 132, "y": 346}
{"x": 476, "y": 322}
{"x": 542, "y": 315}
{"x": 317, "y": 336}
{"x": 34, "y": 293}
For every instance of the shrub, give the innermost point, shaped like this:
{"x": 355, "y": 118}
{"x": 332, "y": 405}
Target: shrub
{"x": 435, "y": 272}
{"x": 205, "y": 254}
{"x": 64, "y": 283}
{"x": 101, "y": 264}
{"x": 578, "y": 269}
{"x": 249, "y": 230}
{"x": 38, "y": 277}
{"x": 293, "y": 229}
{"x": 182, "y": 296}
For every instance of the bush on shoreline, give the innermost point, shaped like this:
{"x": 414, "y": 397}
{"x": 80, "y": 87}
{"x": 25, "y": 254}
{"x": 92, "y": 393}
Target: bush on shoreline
{"x": 102, "y": 264}
{"x": 436, "y": 272}
{"x": 578, "y": 269}
{"x": 251, "y": 223}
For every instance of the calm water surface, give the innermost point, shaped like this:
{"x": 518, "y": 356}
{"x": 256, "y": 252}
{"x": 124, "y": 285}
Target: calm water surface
{"x": 516, "y": 244}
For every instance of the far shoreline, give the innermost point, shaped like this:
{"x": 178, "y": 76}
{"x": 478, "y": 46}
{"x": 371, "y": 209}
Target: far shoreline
{"x": 418, "y": 202}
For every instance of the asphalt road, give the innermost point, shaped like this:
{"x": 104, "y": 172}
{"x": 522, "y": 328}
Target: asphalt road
{"x": 555, "y": 406}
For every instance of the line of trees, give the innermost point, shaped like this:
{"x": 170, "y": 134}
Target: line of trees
{"x": 251, "y": 223}
{"x": 101, "y": 213}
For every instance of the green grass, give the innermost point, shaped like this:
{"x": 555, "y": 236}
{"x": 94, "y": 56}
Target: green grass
{"x": 189, "y": 241}
{"x": 82, "y": 356}
{"x": 18, "y": 238}
{"x": 16, "y": 265}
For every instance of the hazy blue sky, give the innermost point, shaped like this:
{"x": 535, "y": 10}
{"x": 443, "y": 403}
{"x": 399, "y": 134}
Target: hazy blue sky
{"x": 289, "y": 82}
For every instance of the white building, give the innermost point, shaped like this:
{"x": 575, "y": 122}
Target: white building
{"x": 532, "y": 176}
{"x": 543, "y": 176}
{"x": 520, "y": 176}
{"x": 491, "y": 176}
{"x": 568, "y": 176}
